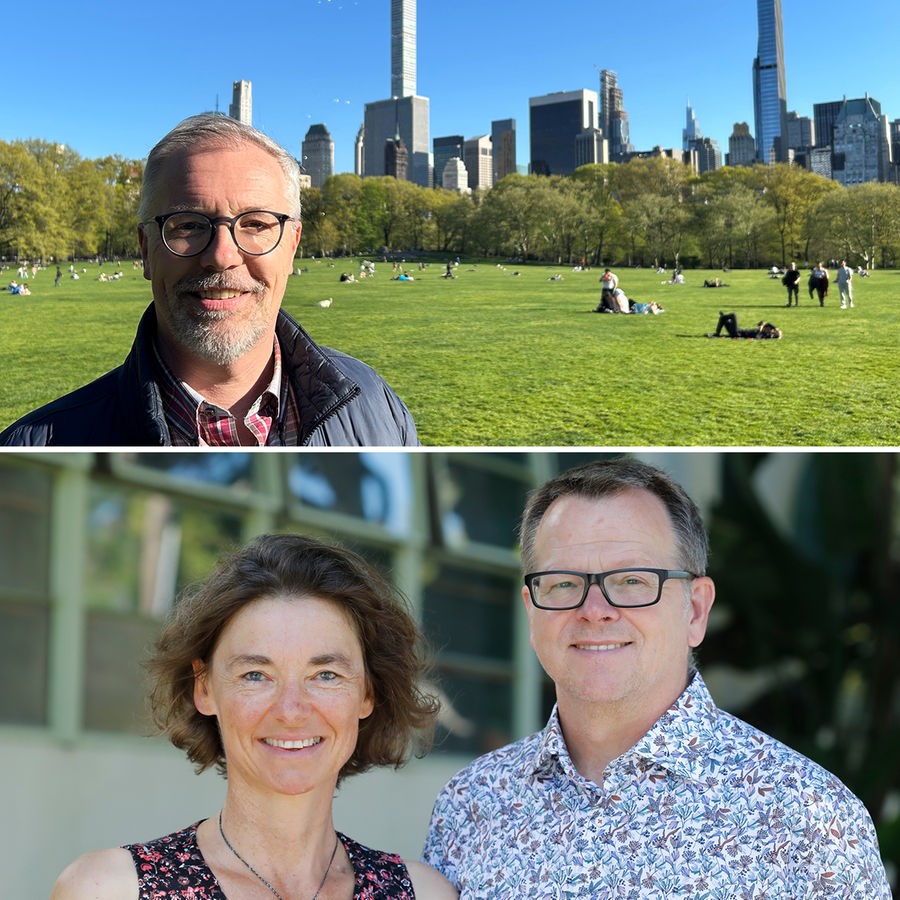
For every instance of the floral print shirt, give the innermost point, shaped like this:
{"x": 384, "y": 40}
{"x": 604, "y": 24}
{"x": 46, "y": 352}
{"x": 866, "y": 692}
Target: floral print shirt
{"x": 703, "y": 806}
{"x": 173, "y": 867}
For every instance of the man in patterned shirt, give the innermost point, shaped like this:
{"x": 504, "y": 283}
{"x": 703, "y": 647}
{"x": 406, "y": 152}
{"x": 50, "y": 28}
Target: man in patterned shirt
{"x": 639, "y": 786}
{"x": 216, "y": 361}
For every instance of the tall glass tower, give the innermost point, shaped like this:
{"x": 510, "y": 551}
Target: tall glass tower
{"x": 769, "y": 92}
{"x": 403, "y": 48}
{"x": 405, "y": 114}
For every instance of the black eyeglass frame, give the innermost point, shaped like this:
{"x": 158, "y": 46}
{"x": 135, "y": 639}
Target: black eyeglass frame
{"x": 597, "y": 578}
{"x": 221, "y": 220}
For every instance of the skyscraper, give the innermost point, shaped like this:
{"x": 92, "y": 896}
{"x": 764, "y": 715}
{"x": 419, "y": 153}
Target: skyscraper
{"x": 709, "y": 156}
{"x": 691, "y": 129}
{"x": 384, "y": 120}
{"x": 359, "y": 148}
{"x": 862, "y": 143}
{"x": 741, "y": 146}
{"x": 454, "y": 176}
{"x": 769, "y": 92}
{"x": 591, "y": 148}
{"x": 241, "y": 107}
{"x": 556, "y": 121}
{"x": 445, "y": 149}
{"x": 801, "y": 132}
{"x": 396, "y": 158}
{"x": 403, "y": 48}
{"x": 503, "y": 139}
{"x": 317, "y": 151}
{"x": 405, "y": 114}
{"x": 479, "y": 161}
{"x": 824, "y": 115}
{"x": 613, "y": 117}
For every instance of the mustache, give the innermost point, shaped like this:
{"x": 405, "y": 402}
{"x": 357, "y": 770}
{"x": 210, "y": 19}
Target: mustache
{"x": 218, "y": 281}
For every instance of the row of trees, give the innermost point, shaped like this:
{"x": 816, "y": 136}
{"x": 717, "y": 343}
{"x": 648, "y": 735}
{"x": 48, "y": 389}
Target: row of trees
{"x": 56, "y": 205}
{"x": 646, "y": 212}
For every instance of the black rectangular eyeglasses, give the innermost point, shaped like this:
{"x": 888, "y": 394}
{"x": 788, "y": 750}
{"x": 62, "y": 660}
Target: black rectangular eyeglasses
{"x": 625, "y": 588}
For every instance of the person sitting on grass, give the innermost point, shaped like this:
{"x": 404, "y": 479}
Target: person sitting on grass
{"x": 728, "y": 323}
{"x": 613, "y": 301}
{"x": 607, "y": 304}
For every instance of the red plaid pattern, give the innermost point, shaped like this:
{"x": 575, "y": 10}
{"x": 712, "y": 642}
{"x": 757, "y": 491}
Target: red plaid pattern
{"x": 194, "y": 421}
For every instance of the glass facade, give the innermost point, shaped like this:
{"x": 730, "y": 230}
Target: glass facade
{"x": 769, "y": 91}
{"x": 556, "y": 121}
{"x": 98, "y": 547}
{"x": 25, "y": 514}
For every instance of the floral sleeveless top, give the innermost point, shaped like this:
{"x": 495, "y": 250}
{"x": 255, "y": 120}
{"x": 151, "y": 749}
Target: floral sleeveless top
{"x": 173, "y": 867}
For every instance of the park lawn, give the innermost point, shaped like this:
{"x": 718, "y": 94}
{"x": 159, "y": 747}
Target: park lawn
{"x": 494, "y": 358}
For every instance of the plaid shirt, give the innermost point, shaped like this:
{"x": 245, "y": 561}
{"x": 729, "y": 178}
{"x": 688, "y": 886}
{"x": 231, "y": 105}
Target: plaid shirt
{"x": 194, "y": 421}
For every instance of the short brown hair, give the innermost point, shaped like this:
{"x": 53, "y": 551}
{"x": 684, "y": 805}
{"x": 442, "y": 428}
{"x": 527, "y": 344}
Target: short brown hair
{"x": 294, "y": 566}
{"x": 607, "y": 478}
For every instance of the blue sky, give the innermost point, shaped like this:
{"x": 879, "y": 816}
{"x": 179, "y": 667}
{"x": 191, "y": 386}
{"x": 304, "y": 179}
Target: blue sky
{"x": 111, "y": 79}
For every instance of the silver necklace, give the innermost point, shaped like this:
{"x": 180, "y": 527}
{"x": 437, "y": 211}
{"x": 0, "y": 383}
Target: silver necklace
{"x": 263, "y": 880}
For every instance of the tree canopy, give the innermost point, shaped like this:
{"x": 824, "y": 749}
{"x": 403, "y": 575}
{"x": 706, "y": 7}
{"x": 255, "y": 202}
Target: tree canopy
{"x": 651, "y": 211}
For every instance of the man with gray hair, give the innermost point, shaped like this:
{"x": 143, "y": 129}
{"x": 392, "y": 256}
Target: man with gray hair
{"x": 639, "y": 786}
{"x": 216, "y": 361}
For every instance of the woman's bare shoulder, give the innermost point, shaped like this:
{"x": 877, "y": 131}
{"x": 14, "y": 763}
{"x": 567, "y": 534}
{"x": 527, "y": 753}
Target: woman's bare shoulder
{"x": 428, "y": 883}
{"x": 101, "y": 875}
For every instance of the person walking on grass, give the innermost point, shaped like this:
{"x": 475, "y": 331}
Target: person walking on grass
{"x": 845, "y": 286}
{"x": 791, "y": 281}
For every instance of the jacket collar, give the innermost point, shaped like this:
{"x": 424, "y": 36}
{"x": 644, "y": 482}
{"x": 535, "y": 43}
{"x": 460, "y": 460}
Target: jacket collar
{"x": 319, "y": 386}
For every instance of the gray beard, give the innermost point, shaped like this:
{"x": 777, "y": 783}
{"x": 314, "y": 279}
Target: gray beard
{"x": 207, "y": 333}
{"x": 209, "y": 336}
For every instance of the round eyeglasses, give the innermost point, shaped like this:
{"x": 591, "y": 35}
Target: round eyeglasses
{"x": 627, "y": 588}
{"x": 256, "y": 232}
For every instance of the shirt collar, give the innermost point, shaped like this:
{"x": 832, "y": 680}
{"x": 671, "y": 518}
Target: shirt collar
{"x": 682, "y": 740}
{"x": 182, "y": 404}
{"x": 272, "y": 390}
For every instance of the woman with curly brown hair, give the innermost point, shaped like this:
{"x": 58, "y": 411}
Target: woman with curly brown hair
{"x": 294, "y": 666}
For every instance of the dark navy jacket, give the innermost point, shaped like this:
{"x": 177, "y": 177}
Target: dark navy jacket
{"x": 342, "y": 401}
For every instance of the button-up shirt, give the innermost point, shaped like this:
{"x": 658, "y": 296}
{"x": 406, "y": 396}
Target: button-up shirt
{"x": 195, "y": 421}
{"x": 703, "y": 806}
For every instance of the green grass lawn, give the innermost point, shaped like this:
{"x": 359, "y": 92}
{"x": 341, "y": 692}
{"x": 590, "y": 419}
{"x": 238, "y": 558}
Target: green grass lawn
{"x": 500, "y": 359}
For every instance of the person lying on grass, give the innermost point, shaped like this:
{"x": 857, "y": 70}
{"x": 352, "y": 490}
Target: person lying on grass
{"x": 728, "y": 323}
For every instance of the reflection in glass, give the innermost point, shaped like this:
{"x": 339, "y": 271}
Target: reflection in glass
{"x": 144, "y": 548}
{"x": 477, "y": 505}
{"x": 25, "y": 526}
{"x": 376, "y": 487}
{"x": 24, "y": 594}
{"x": 227, "y": 469}
{"x": 468, "y": 619}
{"x": 476, "y": 712}
{"x": 469, "y": 611}
{"x": 23, "y": 663}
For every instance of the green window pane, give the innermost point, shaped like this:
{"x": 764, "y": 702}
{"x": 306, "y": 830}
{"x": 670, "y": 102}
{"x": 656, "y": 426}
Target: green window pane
{"x": 144, "y": 548}
{"x": 25, "y": 497}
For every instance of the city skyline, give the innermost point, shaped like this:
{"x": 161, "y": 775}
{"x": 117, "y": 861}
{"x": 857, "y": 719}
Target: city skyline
{"x": 325, "y": 59}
